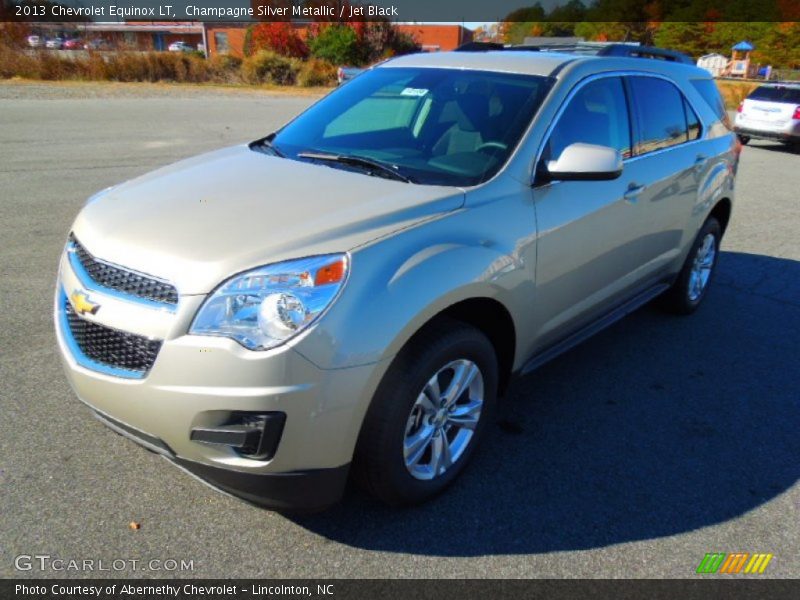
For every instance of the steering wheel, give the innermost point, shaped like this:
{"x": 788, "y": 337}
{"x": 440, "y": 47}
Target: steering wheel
{"x": 498, "y": 145}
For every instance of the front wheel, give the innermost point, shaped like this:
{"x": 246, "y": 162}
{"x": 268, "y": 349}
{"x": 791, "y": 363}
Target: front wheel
{"x": 743, "y": 139}
{"x": 428, "y": 414}
{"x": 692, "y": 283}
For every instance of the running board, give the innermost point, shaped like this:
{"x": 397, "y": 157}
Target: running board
{"x": 594, "y": 327}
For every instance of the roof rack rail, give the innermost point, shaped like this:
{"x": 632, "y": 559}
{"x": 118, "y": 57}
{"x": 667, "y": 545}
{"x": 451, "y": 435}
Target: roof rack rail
{"x": 645, "y": 52}
{"x": 490, "y": 46}
{"x": 480, "y": 47}
{"x": 587, "y": 48}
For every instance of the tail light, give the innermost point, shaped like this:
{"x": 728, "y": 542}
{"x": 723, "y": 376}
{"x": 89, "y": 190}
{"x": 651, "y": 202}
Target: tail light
{"x": 741, "y": 106}
{"x": 796, "y": 114}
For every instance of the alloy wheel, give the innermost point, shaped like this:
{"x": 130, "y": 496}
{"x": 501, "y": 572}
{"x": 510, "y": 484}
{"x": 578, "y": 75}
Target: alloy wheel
{"x": 702, "y": 266}
{"x": 443, "y": 419}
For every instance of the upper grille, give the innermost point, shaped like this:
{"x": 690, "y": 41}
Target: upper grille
{"x": 112, "y": 347}
{"x": 123, "y": 280}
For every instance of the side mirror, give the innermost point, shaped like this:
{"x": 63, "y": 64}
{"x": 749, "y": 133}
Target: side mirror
{"x": 585, "y": 162}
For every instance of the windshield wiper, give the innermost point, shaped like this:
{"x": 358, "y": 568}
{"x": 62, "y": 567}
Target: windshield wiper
{"x": 266, "y": 144}
{"x": 373, "y": 166}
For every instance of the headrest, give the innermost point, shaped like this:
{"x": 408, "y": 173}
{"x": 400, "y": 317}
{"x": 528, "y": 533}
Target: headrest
{"x": 475, "y": 108}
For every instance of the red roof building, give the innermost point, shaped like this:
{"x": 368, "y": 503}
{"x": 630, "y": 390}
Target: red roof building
{"x": 438, "y": 38}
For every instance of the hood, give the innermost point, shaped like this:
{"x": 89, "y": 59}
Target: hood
{"x": 199, "y": 221}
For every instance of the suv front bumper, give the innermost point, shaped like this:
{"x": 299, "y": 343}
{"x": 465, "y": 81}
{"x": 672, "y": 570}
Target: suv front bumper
{"x": 308, "y": 490}
{"x": 200, "y": 382}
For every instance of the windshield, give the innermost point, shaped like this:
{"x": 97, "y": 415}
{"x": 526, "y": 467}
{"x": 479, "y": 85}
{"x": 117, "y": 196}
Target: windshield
{"x": 432, "y": 126}
{"x": 776, "y": 94}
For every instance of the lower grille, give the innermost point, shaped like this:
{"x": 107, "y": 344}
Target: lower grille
{"x": 117, "y": 349}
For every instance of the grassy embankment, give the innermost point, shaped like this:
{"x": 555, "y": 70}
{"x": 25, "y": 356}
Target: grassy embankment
{"x": 265, "y": 69}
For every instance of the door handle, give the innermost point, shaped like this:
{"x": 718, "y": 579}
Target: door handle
{"x": 633, "y": 191}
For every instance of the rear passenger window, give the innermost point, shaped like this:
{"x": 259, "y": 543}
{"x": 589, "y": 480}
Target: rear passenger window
{"x": 710, "y": 93}
{"x": 596, "y": 114}
{"x": 660, "y": 115}
{"x": 692, "y": 122}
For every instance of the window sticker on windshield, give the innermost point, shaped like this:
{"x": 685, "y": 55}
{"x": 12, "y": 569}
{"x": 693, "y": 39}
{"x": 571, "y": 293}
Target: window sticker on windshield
{"x": 418, "y": 92}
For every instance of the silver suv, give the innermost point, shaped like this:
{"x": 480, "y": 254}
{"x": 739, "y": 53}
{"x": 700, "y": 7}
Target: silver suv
{"x": 770, "y": 112}
{"x": 352, "y": 293}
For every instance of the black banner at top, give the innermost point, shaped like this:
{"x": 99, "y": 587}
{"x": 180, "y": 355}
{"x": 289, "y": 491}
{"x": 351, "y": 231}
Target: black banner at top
{"x": 450, "y": 11}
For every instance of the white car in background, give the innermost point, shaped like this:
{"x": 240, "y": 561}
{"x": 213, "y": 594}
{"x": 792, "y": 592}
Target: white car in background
{"x": 345, "y": 74}
{"x": 770, "y": 112}
{"x": 55, "y": 43}
{"x": 34, "y": 41}
{"x": 180, "y": 47}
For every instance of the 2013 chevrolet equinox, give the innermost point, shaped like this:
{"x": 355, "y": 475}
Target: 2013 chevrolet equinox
{"x": 355, "y": 290}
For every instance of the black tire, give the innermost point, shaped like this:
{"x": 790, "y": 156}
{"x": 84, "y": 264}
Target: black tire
{"x": 680, "y": 299}
{"x": 743, "y": 139}
{"x": 379, "y": 464}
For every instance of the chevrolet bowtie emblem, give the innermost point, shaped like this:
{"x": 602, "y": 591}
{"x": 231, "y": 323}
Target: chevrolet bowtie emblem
{"x": 81, "y": 303}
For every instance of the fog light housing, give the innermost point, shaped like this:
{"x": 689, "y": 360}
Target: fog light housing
{"x": 251, "y": 434}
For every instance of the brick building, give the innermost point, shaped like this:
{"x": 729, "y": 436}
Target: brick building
{"x": 223, "y": 38}
{"x": 438, "y": 38}
{"x": 228, "y": 38}
{"x": 130, "y": 35}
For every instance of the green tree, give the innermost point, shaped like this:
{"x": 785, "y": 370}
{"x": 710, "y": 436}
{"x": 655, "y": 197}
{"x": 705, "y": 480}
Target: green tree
{"x": 338, "y": 44}
{"x": 781, "y": 47}
{"x": 604, "y": 31}
{"x": 572, "y": 12}
{"x": 682, "y": 36}
{"x": 725, "y": 34}
{"x": 522, "y": 22}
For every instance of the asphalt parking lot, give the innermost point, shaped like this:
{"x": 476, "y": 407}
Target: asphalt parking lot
{"x": 633, "y": 455}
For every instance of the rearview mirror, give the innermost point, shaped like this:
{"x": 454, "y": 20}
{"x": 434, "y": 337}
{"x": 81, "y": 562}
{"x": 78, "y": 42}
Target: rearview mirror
{"x": 585, "y": 162}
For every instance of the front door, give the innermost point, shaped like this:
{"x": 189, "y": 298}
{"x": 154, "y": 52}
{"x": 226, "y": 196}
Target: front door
{"x": 588, "y": 230}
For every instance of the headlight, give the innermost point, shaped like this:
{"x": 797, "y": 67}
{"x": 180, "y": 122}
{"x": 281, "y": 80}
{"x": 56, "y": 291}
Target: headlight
{"x": 264, "y": 307}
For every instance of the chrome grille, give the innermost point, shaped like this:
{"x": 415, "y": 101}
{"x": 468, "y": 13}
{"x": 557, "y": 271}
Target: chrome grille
{"x": 111, "y": 347}
{"x": 122, "y": 280}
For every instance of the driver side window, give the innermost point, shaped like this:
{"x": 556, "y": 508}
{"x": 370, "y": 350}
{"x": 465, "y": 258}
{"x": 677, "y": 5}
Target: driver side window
{"x": 596, "y": 114}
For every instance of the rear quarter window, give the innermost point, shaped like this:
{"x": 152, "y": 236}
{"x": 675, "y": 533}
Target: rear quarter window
{"x": 710, "y": 93}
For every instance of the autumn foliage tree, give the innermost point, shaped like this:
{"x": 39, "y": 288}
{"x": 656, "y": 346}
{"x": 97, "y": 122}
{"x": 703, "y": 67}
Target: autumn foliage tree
{"x": 358, "y": 42}
{"x": 280, "y": 37}
{"x": 695, "y": 27}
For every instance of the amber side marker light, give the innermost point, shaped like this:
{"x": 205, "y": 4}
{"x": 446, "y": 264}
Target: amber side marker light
{"x": 332, "y": 273}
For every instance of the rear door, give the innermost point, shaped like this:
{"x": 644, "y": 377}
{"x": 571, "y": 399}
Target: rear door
{"x": 665, "y": 173}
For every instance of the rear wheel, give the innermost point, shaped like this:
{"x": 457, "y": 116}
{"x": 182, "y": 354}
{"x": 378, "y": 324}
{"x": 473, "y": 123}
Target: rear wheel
{"x": 692, "y": 283}
{"x": 428, "y": 415}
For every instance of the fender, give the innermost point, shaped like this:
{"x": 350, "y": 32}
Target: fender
{"x": 417, "y": 285}
{"x": 717, "y": 183}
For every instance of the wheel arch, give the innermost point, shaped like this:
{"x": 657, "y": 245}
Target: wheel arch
{"x": 490, "y": 317}
{"x": 722, "y": 212}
